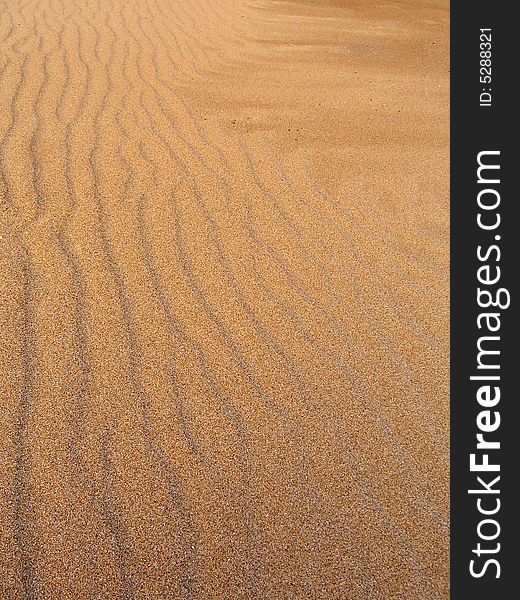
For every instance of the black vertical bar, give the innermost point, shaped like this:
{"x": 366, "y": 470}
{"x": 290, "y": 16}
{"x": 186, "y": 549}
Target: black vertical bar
{"x": 477, "y": 127}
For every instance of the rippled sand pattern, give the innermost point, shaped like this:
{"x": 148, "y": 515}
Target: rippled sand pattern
{"x": 224, "y": 299}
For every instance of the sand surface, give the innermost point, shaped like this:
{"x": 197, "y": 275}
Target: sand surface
{"x": 224, "y": 299}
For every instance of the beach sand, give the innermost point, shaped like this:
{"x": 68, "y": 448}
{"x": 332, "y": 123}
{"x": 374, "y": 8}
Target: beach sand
{"x": 224, "y": 283}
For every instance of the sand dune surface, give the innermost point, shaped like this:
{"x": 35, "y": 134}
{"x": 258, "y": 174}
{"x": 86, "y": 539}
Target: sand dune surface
{"x": 224, "y": 299}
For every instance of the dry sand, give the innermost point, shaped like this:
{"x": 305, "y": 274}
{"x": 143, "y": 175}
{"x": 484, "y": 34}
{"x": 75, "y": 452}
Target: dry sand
{"x": 224, "y": 299}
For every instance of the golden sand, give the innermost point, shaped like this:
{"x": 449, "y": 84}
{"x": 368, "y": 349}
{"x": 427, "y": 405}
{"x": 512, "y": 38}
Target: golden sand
{"x": 224, "y": 299}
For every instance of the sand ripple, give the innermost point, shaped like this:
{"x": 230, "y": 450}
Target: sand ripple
{"x": 224, "y": 299}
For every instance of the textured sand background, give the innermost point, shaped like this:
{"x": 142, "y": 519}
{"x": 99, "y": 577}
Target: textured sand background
{"x": 224, "y": 299}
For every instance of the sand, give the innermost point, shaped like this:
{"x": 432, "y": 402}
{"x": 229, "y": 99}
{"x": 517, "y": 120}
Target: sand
{"x": 224, "y": 299}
